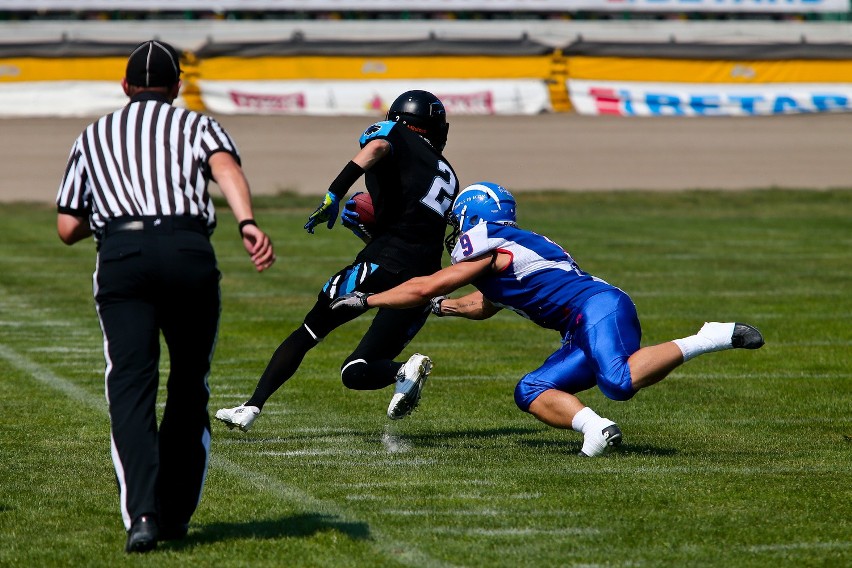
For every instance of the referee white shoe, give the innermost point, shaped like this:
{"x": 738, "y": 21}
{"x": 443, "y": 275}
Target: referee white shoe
{"x": 241, "y": 416}
{"x": 409, "y": 384}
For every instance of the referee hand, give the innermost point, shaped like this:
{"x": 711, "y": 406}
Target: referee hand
{"x": 259, "y": 247}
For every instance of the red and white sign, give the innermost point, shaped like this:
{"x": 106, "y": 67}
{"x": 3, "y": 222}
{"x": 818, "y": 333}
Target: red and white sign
{"x": 372, "y": 98}
{"x": 265, "y": 104}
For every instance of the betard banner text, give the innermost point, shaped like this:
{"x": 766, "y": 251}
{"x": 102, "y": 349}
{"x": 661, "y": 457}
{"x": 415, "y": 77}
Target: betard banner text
{"x": 688, "y": 99}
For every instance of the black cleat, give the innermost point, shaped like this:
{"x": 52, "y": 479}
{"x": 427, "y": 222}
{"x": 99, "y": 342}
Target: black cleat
{"x": 612, "y": 435}
{"x": 746, "y": 337}
{"x": 142, "y": 535}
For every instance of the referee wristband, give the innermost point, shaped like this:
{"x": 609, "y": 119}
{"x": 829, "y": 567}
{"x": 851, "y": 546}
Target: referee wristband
{"x": 245, "y": 222}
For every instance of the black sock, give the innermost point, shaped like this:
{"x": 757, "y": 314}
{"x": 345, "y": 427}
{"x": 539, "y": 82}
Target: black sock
{"x": 284, "y": 363}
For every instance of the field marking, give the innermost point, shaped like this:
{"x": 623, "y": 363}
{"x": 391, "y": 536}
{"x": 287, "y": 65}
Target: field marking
{"x": 799, "y": 546}
{"x": 378, "y": 462}
{"x": 396, "y": 483}
{"x": 47, "y": 377}
{"x": 394, "y": 550}
{"x": 745, "y": 376}
{"x": 480, "y": 531}
{"x": 840, "y": 293}
{"x": 682, "y": 373}
{"x": 709, "y": 470}
{"x": 319, "y": 452}
{"x": 743, "y": 421}
{"x": 59, "y": 349}
{"x": 468, "y": 513}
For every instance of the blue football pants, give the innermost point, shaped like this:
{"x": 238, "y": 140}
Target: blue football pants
{"x": 607, "y": 334}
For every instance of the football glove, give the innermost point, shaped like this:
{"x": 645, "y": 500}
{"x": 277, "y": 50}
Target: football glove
{"x": 326, "y": 212}
{"x": 349, "y": 218}
{"x": 353, "y": 300}
{"x": 435, "y": 305}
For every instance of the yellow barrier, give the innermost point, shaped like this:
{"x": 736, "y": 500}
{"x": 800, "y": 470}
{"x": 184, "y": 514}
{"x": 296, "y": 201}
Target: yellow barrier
{"x": 21, "y": 69}
{"x": 348, "y": 68}
{"x": 712, "y": 71}
{"x": 557, "y": 83}
{"x": 554, "y": 69}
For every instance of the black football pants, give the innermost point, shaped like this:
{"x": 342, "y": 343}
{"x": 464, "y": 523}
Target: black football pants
{"x": 389, "y": 333}
{"x": 146, "y": 282}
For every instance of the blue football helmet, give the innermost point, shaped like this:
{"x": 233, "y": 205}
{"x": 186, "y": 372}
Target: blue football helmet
{"x": 482, "y": 202}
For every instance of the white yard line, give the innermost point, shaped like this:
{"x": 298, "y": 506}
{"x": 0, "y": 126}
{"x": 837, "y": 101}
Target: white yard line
{"x": 785, "y": 546}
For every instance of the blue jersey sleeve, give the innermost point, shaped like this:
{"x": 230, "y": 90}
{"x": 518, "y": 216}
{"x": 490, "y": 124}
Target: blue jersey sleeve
{"x": 378, "y": 130}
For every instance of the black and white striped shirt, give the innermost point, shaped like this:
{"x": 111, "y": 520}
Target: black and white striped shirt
{"x": 148, "y": 158}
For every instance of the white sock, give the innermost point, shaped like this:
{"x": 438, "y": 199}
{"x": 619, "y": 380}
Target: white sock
{"x": 584, "y": 419}
{"x": 591, "y": 425}
{"x": 713, "y": 336}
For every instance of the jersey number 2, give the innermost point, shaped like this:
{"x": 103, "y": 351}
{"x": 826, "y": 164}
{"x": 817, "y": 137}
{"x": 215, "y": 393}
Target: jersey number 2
{"x": 442, "y": 191}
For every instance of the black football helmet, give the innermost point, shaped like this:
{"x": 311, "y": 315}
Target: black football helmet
{"x": 423, "y": 113}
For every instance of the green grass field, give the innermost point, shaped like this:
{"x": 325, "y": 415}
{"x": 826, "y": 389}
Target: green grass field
{"x": 737, "y": 459}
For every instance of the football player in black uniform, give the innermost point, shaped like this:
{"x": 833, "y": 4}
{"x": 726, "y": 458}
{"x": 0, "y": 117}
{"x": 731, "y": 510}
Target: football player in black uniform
{"x": 412, "y": 186}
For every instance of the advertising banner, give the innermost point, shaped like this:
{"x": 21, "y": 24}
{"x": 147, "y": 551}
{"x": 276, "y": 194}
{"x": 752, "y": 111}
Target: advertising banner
{"x": 756, "y": 6}
{"x": 60, "y": 98}
{"x": 372, "y": 98}
{"x": 622, "y": 98}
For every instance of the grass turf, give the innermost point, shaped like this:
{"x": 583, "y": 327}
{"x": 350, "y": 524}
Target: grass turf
{"x": 737, "y": 459}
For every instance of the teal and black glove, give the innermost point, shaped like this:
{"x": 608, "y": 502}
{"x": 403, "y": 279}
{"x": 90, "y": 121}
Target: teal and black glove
{"x": 326, "y": 212}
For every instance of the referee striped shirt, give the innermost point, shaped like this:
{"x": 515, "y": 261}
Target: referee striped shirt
{"x": 146, "y": 159}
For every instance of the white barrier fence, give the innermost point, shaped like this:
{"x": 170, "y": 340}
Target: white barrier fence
{"x": 60, "y": 98}
{"x": 509, "y": 97}
{"x": 474, "y": 97}
{"x": 319, "y": 98}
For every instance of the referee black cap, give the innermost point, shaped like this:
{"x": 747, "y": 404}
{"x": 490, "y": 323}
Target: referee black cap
{"x": 153, "y": 64}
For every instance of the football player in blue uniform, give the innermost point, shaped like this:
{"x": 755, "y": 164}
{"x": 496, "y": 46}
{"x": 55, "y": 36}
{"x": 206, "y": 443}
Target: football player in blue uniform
{"x": 530, "y": 274}
{"x": 412, "y": 186}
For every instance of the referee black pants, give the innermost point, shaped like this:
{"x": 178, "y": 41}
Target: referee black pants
{"x": 158, "y": 279}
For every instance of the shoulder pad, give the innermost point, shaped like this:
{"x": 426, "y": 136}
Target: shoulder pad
{"x": 473, "y": 244}
{"x": 377, "y": 130}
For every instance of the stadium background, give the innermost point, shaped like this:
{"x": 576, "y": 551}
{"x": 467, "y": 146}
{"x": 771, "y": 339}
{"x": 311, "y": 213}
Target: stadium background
{"x": 719, "y": 471}
{"x": 538, "y": 99}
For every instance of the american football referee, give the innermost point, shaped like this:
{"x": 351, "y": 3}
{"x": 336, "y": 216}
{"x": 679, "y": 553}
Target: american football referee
{"x": 137, "y": 179}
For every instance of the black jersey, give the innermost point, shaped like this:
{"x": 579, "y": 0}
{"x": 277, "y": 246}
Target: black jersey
{"x": 411, "y": 188}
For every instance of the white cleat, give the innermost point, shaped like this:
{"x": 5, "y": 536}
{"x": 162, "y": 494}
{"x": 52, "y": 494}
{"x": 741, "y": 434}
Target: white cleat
{"x": 409, "y": 384}
{"x": 597, "y": 442}
{"x": 241, "y": 416}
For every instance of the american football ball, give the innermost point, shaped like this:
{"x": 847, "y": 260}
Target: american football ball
{"x": 364, "y": 209}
